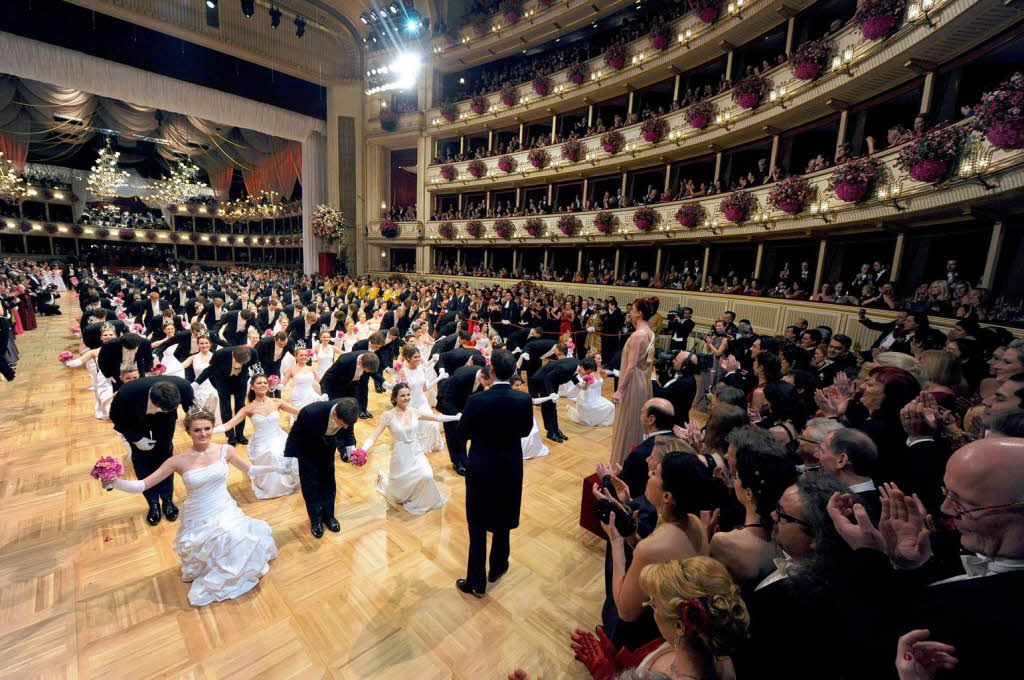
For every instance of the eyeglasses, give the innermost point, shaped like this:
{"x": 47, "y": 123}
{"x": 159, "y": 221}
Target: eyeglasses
{"x": 789, "y": 518}
{"x": 961, "y": 511}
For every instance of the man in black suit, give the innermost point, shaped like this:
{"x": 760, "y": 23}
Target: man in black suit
{"x": 144, "y": 412}
{"x": 509, "y": 315}
{"x": 229, "y": 373}
{"x": 535, "y": 351}
{"x": 452, "y": 394}
{"x": 235, "y": 327}
{"x": 852, "y": 457}
{"x": 888, "y": 333}
{"x": 375, "y": 343}
{"x": 180, "y": 298}
{"x": 128, "y": 348}
{"x": 91, "y": 333}
{"x": 213, "y": 314}
{"x": 387, "y": 354}
{"x": 271, "y": 351}
{"x": 320, "y": 429}
{"x": 545, "y": 382}
{"x": 448, "y": 342}
{"x": 151, "y": 312}
{"x": 680, "y": 328}
{"x": 838, "y": 358}
{"x": 731, "y": 376}
{"x": 460, "y": 356}
{"x": 657, "y": 416}
{"x": 266, "y": 318}
{"x": 348, "y": 377}
{"x": 305, "y": 328}
{"x": 494, "y": 421}
{"x": 681, "y": 389}
{"x": 611, "y": 327}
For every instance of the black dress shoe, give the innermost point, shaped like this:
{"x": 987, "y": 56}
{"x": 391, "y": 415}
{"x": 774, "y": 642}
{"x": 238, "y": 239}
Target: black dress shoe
{"x": 553, "y": 436}
{"x": 365, "y": 414}
{"x": 316, "y": 528}
{"x": 380, "y": 389}
{"x": 332, "y": 524}
{"x": 153, "y": 517}
{"x": 232, "y": 441}
{"x": 562, "y": 435}
{"x": 460, "y": 469}
{"x": 243, "y": 440}
{"x": 463, "y": 585}
{"x": 495, "y": 575}
{"x": 170, "y": 509}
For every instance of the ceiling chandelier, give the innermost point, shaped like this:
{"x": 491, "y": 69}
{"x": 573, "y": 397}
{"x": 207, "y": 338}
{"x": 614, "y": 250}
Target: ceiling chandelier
{"x": 181, "y": 185}
{"x": 265, "y": 205}
{"x": 105, "y": 179}
{"x": 11, "y": 183}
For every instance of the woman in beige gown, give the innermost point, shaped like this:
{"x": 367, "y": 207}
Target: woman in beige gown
{"x": 634, "y": 380}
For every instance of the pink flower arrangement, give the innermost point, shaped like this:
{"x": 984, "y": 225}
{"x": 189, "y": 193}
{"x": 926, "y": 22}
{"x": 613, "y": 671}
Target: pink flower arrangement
{"x": 508, "y": 164}
{"x": 852, "y": 180}
{"x": 541, "y": 84}
{"x": 388, "y": 119}
{"x": 572, "y": 150}
{"x": 122, "y": 316}
{"x": 504, "y": 228}
{"x": 578, "y": 72}
{"x": 1000, "y": 114}
{"x": 535, "y": 227}
{"x": 448, "y": 111}
{"x": 77, "y": 230}
{"x": 480, "y": 25}
{"x": 538, "y": 157}
{"x": 508, "y": 94}
{"x": 478, "y": 104}
{"x": 126, "y": 234}
{"x": 357, "y": 457}
{"x": 398, "y": 366}
{"x": 653, "y": 129}
{"x": 103, "y": 233}
{"x": 791, "y": 194}
{"x": 159, "y": 369}
{"x": 25, "y": 227}
{"x": 475, "y": 228}
{"x": 691, "y": 214}
{"x": 268, "y": 333}
{"x": 700, "y": 114}
{"x": 737, "y": 205}
{"x": 273, "y": 380}
{"x": 749, "y": 91}
{"x": 78, "y": 318}
{"x": 107, "y": 470}
{"x": 588, "y": 379}
{"x": 569, "y": 224}
{"x": 337, "y": 334}
{"x": 659, "y": 36}
{"x": 930, "y": 157}
{"x": 446, "y": 230}
{"x": 65, "y": 356}
{"x": 75, "y": 330}
{"x": 615, "y": 56}
{"x": 605, "y": 221}
{"x": 877, "y": 18}
{"x": 388, "y": 228}
{"x": 476, "y": 168}
{"x": 136, "y": 328}
{"x": 74, "y": 280}
{"x": 646, "y": 218}
{"x": 707, "y": 10}
{"x": 811, "y": 58}
{"x": 612, "y": 141}
{"x": 448, "y": 172}
{"x": 512, "y": 10}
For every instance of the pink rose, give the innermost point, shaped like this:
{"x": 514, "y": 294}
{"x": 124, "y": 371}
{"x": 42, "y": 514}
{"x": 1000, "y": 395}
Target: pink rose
{"x": 357, "y": 458}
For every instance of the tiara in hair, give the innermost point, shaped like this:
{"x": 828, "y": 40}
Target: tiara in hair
{"x": 200, "y": 410}
{"x": 204, "y": 334}
{"x": 299, "y": 344}
{"x": 108, "y": 327}
{"x": 256, "y": 370}
{"x": 128, "y": 367}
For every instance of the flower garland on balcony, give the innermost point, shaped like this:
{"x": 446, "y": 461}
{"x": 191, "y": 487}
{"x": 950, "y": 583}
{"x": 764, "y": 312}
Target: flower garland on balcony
{"x": 504, "y": 228}
{"x": 701, "y": 113}
{"x": 478, "y": 104}
{"x": 535, "y": 227}
{"x": 388, "y": 228}
{"x": 691, "y": 214}
{"x": 707, "y": 10}
{"x": 605, "y": 221}
{"x": 102, "y": 233}
{"x": 328, "y": 223}
{"x": 477, "y": 168}
{"x": 508, "y": 94}
{"x": 573, "y": 150}
{"x": 448, "y": 172}
{"x": 810, "y": 59}
{"x": 578, "y": 72}
{"x": 877, "y": 18}
{"x": 791, "y": 194}
{"x": 541, "y": 84}
{"x": 174, "y": 236}
{"x": 737, "y": 205}
{"x": 126, "y": 234}
{"x": 388, "y": 119}
{"x": 931, "y": 157}
{"x": 538, "y": 158}
{"x": 448, "y": 111}
{"x": 150, "y": 235}
{"x": 659, "y": 36}
{"x": 446, "y": 230}
{"x": 1000, "y": 114}
{"x": 508, "y": 164}
{"x": 749, "y": 91}
{"x": 646, "y": 218}
{"x": 512, "y": 10}
{"x": 569, "y": 224}
{"x": 615, "y": 56}
{"x": 653, "y": 129}
{"x": 855, "y": 178}
{"x": 475, "y": 228}
{"x": 53, "y": 229}
{"x": 481, "y": 25}
{"x": 231, "y": 240}
{"x": 25, "y": 227}
{"x": 612, "y": 141}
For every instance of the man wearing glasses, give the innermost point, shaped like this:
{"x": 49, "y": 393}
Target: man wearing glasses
{"x": 810, "y": 441}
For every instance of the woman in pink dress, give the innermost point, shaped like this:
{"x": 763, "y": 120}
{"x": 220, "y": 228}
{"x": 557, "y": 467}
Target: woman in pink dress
{"x": 634, "y": 380}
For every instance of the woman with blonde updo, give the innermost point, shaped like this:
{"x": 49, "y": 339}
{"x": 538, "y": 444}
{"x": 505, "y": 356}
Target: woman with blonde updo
{"x": 699, "y": 611}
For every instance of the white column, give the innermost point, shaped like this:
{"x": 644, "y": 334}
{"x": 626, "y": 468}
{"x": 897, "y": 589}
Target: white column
{"x": 314, "y": 151}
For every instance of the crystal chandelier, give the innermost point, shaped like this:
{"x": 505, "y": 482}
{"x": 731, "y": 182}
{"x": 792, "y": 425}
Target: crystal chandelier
{"x": 181, "y": 185}
{"x": 265, "y": 205}
{"x": 105, "y": 179}
{"x": 11, "y": 183}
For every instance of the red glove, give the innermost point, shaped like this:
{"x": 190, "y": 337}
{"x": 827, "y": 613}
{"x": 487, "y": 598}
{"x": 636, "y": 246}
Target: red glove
{"x": 631, "y": 658}
{"x": 590, "y": 653}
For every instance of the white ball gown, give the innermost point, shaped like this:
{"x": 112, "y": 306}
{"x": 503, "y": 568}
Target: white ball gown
{"x": 223, "y": 552}
{"x": 323, "y": 357}
{"x": 206, "y": 393}
{"x": 533, "y": 443}
{"x": 409, "y": 481}
{"x": 590, "y": 408}
{"x": 302, "y": 390}
{"x": 266, "y": 447}
{"x": 429, "y": 431}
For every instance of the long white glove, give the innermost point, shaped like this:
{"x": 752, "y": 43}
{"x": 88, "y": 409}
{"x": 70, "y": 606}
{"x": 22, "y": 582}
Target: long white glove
{"x": 522, "y": 357}
{"x": 145, "y": 444}
{"x": 367, "y": 443}
{"x": 130, "y": 485}
{"x": 257, "y": 470}
{"x": 440, "y": 376}
{"x": 219, "y": 429}
{"x": 540, "y": 400}
{"x": 442, "y": 418}
{"x": 73, "y": 363}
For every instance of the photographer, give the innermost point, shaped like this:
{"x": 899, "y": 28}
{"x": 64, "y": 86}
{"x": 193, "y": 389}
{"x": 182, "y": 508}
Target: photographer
{"x": 680, "y": 325}
{"x": 677, "y": 383}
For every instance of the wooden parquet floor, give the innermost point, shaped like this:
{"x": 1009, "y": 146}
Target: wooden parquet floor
{"x": 89, "y": 590}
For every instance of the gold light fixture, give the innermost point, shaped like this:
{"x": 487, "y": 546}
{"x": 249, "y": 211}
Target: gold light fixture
{"x": 105, "y": 179}
{"x": 11, "y": 183}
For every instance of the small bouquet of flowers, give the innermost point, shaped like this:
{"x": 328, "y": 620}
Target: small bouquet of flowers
{"x": 573, "y": 150}
{"x": 74, "y": 280}
{"x": 791, "y": 194}
{"x": 646, "y": 218}
{"x": 75, "y": 330}
{"x": 504, "y": 227}
{"x": 749, "y": 91}
{"x": 508, "y": 94}
{"x": 159, "y": 369}
{"x": 273, "y": 381}
{"x": 357, "y": 458}
{"x": 508, "y": 163}
{"x": 448, "y": 111}
{"x": 65, "y": 356}
{"x": 337, "y": 334}
{"x": 475, "y": 228}
{"x": 269, "y": 332}
{"x": 612, "y": 141}
{"x": 578, "y": 72}
{"x": 535, "y": 226}
{"x": 653, "y": 129}
{"x": 810, "y": 59}
{"x": 541, "y": 84}
{"x": 615, "y": 56}
{"x": 122, "y": 316}
{"x": 388, "y": 228}
{"x": 78, "y": 319}
{"x": 478, "y": 104}
{"x": 605, "y": 221}
{"x": 107, "y": 470}
{"x": 588, "y": 379}
{"x": 538, "y": 157}
{"x": 477, "y": 168}
{"x": 448, "y": 172}
{"x": 569, "y": 224}
{"x": 136, "y": 328}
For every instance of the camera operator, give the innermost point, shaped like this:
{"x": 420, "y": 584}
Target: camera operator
{"x": 680, "y": 325}
{"x": 676, "y": 382}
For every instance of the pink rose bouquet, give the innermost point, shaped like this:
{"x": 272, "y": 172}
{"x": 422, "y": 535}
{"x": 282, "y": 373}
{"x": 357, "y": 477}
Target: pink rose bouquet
{"x": 107, "y": 470}
{"x": 65, "y": 356}
{"x": 357, "y": 458}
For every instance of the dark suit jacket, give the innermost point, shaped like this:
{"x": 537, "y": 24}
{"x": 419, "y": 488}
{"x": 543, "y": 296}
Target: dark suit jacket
{"x": 734, "y": 379}
{"x": 634, "y": 468}
{"x": 453, "y": 391}
{"x": 457, "y": 358}
{"x": 297, "y": 331}
{"x": 129, "y": 405}
{"x": 551, "y": 375}
{"x": 445, "y": 344}
{"x": 307, "y": 438}
{"x": 264, "y": 351}
{"x": 681, "y": 392}
{"x": 110, "y": 358}
{"x": 536, "y": 348}
{"x": 263, "y": 320}
{"x": 219, "y": 370}
{"x": 229, "y": 324}
{"x": 338, "y": 378}
{"x": 883, "y": 329}
{"x": 91, "y": 333}
{"x": 494, "y": 478}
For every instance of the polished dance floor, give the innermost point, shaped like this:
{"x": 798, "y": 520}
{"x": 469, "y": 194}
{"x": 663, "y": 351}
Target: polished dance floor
{"x": 89, "y": 590}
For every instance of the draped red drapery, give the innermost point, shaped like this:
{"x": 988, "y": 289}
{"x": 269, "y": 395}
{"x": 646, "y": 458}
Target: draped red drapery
{"x": 15, "y": 149}
{"x": 279, "y": 172}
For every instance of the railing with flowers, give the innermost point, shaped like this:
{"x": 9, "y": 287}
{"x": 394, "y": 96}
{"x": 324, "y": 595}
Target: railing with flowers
{"x": 86, "y": 231}
{"x": 405, "y": 230}
{"x": 853, "y": 58}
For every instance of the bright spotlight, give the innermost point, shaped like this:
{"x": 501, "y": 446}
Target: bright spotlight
{"x": 412, "y": 25}
{"x": 212, "y": 4}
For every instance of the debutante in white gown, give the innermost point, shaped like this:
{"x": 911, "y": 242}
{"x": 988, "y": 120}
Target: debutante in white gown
{"x": 266, "y": 447}
{"x": 409, "y": 481}
{"x": 323, "y": 357}
{"x": 590, "y": 408}
{"x": 429, "y": 431}
{"x": 206, "y": 393}
{"x": 533, "y": 443}
{"x": 429, "y": 373}
{"x": 223, "y": 552}
{"x": 172, "y": 364}
{"x": 302, "y": 390}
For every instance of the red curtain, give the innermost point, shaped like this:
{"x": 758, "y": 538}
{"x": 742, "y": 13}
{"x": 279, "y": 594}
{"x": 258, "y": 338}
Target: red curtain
{"x": 403, "y": 188}
{"x": 220, "y": 182}
{"x": 255, "y": 180}
{"x": 15, "y": 149}
{"x": 287, "y": 167}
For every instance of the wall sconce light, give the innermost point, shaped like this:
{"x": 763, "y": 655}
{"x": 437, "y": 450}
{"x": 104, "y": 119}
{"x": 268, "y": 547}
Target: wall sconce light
{"x": 841, "y": 62}
{"x": 597, "y": 75}
{"x": 675, "y": 135}
{"x": 891, "y": 192}
{"x": 559, "y": 89}
{"x": 918, "y": 9}
{"x": 820, "y": 209}
{"x": 764, "y": 218}
{"x": 735, "y": 9}
{"x": 524, "y": 100}
{"x": 975, "y": 163}
{"x": 685, "y": 36}
{"x": 778, "y": 95}
{"x": 638, "y": 59}
{"x": 631, "y": 148}
{"x": 723, "y": 119}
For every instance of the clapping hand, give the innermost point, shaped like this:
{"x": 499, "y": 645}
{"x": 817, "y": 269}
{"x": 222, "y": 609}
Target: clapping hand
{"x": 729, "y": 363}
{"x": 596, "y": 653}
{"x": 621, "y": 488}
{"x": 918, "y": 419}
{"x": 853, "y": 524}
{"x": 844, "y": 385}
{"x": 905, "y": 527}
{"x": 917, "y": 658}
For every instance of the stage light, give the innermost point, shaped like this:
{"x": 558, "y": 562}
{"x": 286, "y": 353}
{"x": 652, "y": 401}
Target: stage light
{"x": 394, "y": 10}
{"x": 300, "y": 27}
{"x": 362, "y": 17}
{"x": 248, "y": 8}
{"x": 412, "y": 25}
{"x": 212, "y": 4}
{"x": 275, "y": 17}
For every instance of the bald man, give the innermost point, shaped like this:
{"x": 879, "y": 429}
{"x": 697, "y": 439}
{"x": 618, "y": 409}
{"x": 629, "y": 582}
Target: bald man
{"x": 657, "y": 416}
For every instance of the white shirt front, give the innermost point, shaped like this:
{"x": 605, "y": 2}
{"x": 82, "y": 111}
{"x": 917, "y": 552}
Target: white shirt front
{"x": 978, "y": 566}
{"x": 862, "y": 487}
